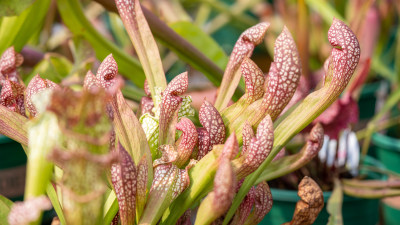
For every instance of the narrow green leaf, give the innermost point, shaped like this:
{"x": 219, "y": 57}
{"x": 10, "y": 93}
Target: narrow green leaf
{"x": 110, "y": 208}
{"x": 324, "y": 8}
{"x": 13, "y": 8}
{"x": 130, "y": 133}
{"x": 334, "y": 206}
{"x": 52, "y": 194}
{"x": 74, "y": 18}
{"x": 202, "y": 41}
{"x": 5, "y": 207}
{"x": 146, "y": 48}
{"x": 17, "y": 30}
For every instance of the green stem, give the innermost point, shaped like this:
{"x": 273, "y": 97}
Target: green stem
{"x": 392, "y": 100}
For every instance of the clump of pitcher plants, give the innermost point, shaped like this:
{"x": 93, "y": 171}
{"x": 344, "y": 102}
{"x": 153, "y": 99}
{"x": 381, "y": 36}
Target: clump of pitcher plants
{"x": 100, "y": 163}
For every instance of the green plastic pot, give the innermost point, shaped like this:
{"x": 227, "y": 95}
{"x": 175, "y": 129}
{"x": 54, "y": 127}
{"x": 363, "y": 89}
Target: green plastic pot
{"x": 387, "y": 150}
{"x": 391, "y": 215}
{"x": 355, "y": 210}
{"x": 12, "y": 169}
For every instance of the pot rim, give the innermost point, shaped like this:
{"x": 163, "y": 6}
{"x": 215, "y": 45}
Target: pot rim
{"x": 291, "y": 195}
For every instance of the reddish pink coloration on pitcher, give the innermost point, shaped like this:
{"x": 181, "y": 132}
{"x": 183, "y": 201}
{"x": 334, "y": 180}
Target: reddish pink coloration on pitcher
{"x": 146, "y": 105}
{"x": 344, "y": 57}
{"x": 141, "y": 186}
{"x": 185, "y": 218}
{"x": 248, "y": 135}
{"x": 212, "y": 121}
{"x": 224, "y": 187}
{"x": 231, "y": 148}
{"x": 245, "y": 45}
{"x": 204, "y": 143}
{"x": 263, "y": 203}
{"x": 36, "y": 85}
{"x": 243, "y": 48}
{"x": 106, "y": 76}
{"x": 169, "y": 155}
{"x": 107, "y": 72}
{"x": 168, "y": 176}
{"x": 315, "y": 141}
{"x": 280, "y": 154}
{"x": 178, "y": 85}
{"x": 115, "y": 221}
{"x": 9, "y": 62}
{"x": 283, "y": 76}
{"x": 182, "y": 183}
{"x": 28, "y": 211}
{"x": 170, "y": 104}
{"x": 147, "y": 88}
{"x": 243, "y": 212}
{"x": 90, "y": 81}
{"x": 259, "y": 149}
{"x": 254, "y": 80}
{"x": 164, "y": 177}
{"x": 124, "y": 179}
{"x": 187, "y": 140}
{"x": 12, "y": 96}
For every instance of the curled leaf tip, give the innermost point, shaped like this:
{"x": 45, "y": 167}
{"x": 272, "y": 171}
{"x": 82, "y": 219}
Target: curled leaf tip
{"x": 310, "y": 204}
{"x": 187, "y": 140}
{"x": 254, "y": 80}
{"x": 178, "y": 85}
{"x": 283, "y": 76}
{"x": 246, "y": 43}
{"x": 243, "y": 48}
{"x": 170, "y": 105}
{"x": 256, "y": 33}
{"x": 9, "y": 62}
{"x": 107, "y": 71}
{"x": 35, "y": 86}
{"x": 344, "y": 57}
